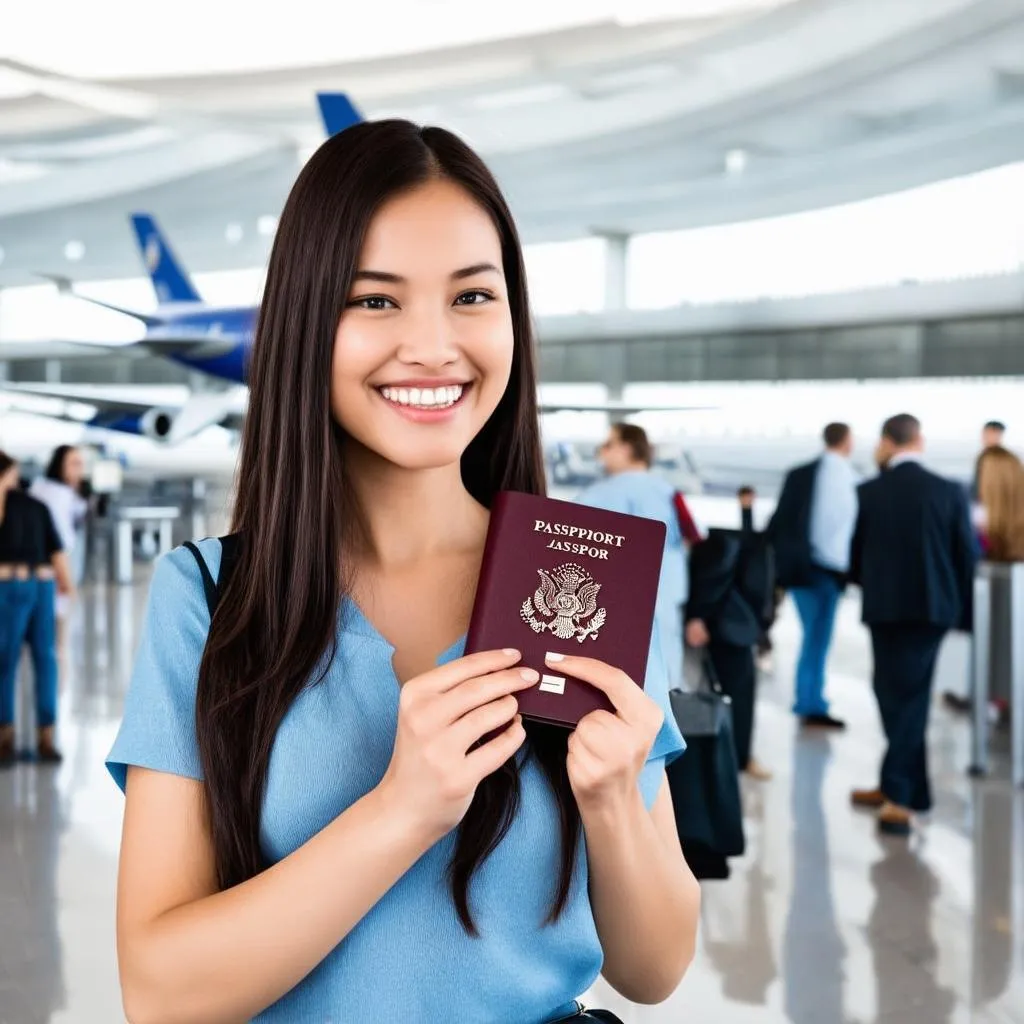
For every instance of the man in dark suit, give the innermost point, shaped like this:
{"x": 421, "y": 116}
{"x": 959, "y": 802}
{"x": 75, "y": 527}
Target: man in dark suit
{"x": 913, "y": 554}
{"x": 810, "y": 532}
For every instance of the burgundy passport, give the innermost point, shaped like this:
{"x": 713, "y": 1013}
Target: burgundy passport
{"x": 562, "y": 577}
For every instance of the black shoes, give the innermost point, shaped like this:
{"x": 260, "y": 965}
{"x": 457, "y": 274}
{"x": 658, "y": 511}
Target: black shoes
{"x": 821, "y": 722}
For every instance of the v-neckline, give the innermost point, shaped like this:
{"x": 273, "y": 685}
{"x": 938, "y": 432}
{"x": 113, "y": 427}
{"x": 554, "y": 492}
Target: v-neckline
{"x": 362, "y": 625}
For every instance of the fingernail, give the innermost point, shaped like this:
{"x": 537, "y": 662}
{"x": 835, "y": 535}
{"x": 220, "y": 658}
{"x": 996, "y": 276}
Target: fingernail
{"x": 509, "y": 651}
{"x": 553, "y": 656}
{"x": 529, "y": 674}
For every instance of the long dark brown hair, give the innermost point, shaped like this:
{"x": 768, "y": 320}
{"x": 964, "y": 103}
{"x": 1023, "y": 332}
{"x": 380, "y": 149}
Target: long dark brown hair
{"x": 274, "y": 629}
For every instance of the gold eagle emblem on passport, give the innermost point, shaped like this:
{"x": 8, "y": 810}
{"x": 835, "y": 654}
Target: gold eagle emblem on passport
{"x": 566, "y": 600}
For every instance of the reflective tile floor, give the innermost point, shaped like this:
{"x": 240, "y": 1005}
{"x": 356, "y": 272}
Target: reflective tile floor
{"x": 822, "y": 921}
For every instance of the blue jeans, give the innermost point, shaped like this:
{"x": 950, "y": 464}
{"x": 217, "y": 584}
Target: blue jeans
{"x": 816, "y": 605}
{"x": 27, "y": 616}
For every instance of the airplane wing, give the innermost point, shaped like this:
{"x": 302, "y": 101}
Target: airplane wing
{"x": 167, "y": 422}
{"x": 25, "y": 351}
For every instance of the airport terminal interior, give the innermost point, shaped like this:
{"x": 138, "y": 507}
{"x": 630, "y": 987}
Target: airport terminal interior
{"x": 742, "y": 221}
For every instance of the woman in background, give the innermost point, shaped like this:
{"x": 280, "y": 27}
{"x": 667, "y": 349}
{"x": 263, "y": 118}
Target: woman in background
{"x": 59, "y": 489}
{"x": 999, "y": 515}
{"x": 998, "y": 519}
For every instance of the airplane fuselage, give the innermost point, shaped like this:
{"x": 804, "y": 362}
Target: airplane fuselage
{"x": 215, "y": 341}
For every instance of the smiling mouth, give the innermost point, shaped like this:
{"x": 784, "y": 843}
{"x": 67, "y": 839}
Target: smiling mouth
{"x": 424, "y": 398}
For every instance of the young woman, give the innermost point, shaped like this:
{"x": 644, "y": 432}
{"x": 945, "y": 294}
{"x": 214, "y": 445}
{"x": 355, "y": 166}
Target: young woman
{"x": 33, "y": 569}
{"x": 59, "y": 490}
{"x": 310, "y": 831}
{"x": 999, "y": 514}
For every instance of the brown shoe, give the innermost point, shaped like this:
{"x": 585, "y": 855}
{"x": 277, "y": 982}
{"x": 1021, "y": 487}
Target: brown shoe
{"x": 46, "y": 750}
{"x": 867, "y": 798}
{"x": 894, "y": 820}
{"x": 7, "y": 755}
{"x": 757, "y": 771}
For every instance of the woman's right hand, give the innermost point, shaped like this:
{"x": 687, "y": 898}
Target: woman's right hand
{"x": 442, "y": 713}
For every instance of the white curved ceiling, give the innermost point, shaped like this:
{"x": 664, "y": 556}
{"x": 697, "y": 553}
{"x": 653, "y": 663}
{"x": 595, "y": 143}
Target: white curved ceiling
{"x": 599, "y": 127}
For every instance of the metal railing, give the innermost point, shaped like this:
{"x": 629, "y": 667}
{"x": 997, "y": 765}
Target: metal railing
{"x": 997, "y": 659}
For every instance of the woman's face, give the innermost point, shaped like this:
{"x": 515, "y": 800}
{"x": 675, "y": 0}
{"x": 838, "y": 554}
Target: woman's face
{"x": 74, "y": 468}
{"x": 9, "y": 480}
{"x": 423, "y": 350}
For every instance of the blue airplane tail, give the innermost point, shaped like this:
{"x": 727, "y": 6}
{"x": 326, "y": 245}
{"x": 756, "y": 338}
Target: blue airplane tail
{"x": 337, "y": 112}
{"x": 170, "y": 280}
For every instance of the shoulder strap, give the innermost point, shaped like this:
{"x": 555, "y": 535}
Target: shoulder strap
{"x": 209, "y": 586}
{"x": 230, "y": 548}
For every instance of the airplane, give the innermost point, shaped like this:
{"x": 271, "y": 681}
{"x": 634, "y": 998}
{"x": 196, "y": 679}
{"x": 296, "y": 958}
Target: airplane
{"x": 213, "y": 340}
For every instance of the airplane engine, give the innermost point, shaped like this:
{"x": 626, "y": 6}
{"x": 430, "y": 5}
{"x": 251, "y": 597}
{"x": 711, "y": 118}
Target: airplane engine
{"x": 157, "y": 423}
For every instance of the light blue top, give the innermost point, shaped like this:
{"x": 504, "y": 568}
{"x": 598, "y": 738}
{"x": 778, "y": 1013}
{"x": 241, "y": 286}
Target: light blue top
{"x": 409, "y": 958}
{"x": 833, "y": 512}
{"x": 644, "y": 493}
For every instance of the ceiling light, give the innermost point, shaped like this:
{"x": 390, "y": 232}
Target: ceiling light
{"x": 233, "y": 233}
{"x": 736, "y": 161}
{"x": 267, "y": 224}
{"x": 74, "y": 250}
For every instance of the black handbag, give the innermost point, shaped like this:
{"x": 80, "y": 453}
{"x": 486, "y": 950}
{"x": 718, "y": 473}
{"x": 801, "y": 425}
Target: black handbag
{"x": 583, "y": 1015}
{"x": 705, "y": 781}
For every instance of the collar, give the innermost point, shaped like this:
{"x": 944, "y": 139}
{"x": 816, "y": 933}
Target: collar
{"x": 902, "y": 457}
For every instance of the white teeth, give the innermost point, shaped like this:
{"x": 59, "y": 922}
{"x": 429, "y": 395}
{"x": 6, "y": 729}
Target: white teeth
{"x": 424, "y": 398}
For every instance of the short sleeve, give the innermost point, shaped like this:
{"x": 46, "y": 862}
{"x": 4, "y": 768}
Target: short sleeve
{"x": 158, "y": 727}
{"x": 669, "y": 743}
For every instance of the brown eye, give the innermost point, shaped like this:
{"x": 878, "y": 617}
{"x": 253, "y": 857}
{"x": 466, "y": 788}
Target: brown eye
{"x": 474, "y": 298}
{"x": 375, "y": 302}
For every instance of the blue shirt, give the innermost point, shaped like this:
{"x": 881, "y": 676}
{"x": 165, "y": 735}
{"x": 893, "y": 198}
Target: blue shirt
{"x": 833, "y": 512}
{"x": 643, "y": 493}
{"x": 409, "y": 958}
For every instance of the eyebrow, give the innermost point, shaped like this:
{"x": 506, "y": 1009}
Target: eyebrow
{"x": 458, "y": 275}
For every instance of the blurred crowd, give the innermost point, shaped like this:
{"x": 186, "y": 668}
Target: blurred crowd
{"x": 907, "y": 538}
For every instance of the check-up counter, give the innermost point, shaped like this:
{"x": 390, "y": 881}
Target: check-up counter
{"x": 997, "y": 668}
{"x": 158, "y": 518}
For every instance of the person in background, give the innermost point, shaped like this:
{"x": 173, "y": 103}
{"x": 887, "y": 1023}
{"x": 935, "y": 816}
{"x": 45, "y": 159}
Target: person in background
{"x": 722, "y": 615}
{"x": 811, "y": 532}
{"x": 913, "y": 555}
{"x": 59, "y": 489}
{"x": 992, "y": 436}
{"x": 1000, "y": 514}
{"x": 998, "y": 519}
{"x": 32, "y": 566}
{"x": 632, "y": 487}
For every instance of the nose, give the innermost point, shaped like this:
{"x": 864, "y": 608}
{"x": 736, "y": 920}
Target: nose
{"x": 429, "y": 339}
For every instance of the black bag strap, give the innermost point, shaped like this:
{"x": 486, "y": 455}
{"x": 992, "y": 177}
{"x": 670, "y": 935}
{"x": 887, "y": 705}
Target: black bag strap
{"x": 230, "y": 549}
{"x": 709, "y": 673}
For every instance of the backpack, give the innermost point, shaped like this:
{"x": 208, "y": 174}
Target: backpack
{"x": 755, "y": 576}
{"x": 231, "y": 549}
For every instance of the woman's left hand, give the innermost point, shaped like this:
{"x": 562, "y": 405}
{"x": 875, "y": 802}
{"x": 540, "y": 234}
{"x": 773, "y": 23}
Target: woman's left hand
{"x": 607, "y": 751}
